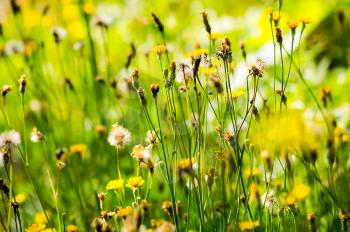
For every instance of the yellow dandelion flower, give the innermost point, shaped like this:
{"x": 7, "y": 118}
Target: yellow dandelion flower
{"x": 216, "y": 62}
{"x": 255, "y": 190}
{"x": 78, "y": 148}
{"x": 72, "y": 228}
{"x": 115, "y": 184}
{"x": 31, "y": 18}
{"x": 305, "y": 20}
{"x": 251, "y": 173}
{"x": 197, "y": 52}
{"x": 89, "y": 8}
{"x": 40, "y": 217}
{"x": 248, "y": 225}
{"x": 233, "y": 65}
{"x": 70, "y": 12}
{"x": 135, "y": 182}
{"x": 237, "y": 93}
{"x": 160, "y": 49}
{"x": 270, "y": 10}
{"x": 46, "y": 21}
{"x": 38, "y": 227}
{"x": 214, "y": 36}
{"x": 76, "y": 30}
{"x": 301, "y": 192}
{"x": 21, "y": 198}
{"x": 186, "y": 163}
{"x": 124, "y": 212}
{"x": 289, "y": 200}
{"x": 275, "y": 16}
{"x": 292, "y": 24}
{"x": 207, "y": 71}
{"x": 48, "y": 230}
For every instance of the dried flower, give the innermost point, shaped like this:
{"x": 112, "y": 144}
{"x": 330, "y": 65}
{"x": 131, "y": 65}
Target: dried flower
{"x": 36, "y": 136}
{"x": 257, "y": 68}
{"x": 157, "y": 21}
{"x": 9, "y": 139}
{"x": 22, "y": 84}
{"x": 154, "y": 90}
{"x": 58, "y": 33}
{"x": 14, "y": 47}
{"x": 119, "y": 136}
{"x": 279, "y": 35}
{"x": 206, "y": 22}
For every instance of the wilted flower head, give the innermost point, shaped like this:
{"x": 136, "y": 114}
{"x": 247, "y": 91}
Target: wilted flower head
{"x": 268, "y": 199}
{"x": 22, "y": 83}
{"x": 151, "y": 138}
{"x": 5, "y": 90}
{"x": 257, "y": 68}
{"x": 9, "y": 139}
{"x": 14, "y": 47}
{"x": 119, "y": 136}
{"x": 58, "y": 33}
{"x": 185, "y": 72}
{"x": 102, "y": 21}
{"x": 141, "y": 153}
{"x": 36, "y": 136}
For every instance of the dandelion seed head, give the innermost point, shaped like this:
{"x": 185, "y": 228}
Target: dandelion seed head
{"x": 119, "y": 136}
{"x": 9, "y": 139}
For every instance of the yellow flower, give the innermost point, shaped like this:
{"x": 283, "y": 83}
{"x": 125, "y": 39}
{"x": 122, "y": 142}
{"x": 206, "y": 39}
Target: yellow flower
{"x": 48, "y": 230}
{"x": 197, "y": 52}
{"x": 270, "y": 10}
{"x": 31, "y": 18}
{"x": 186, "y": 163}
{"x": 70, "y": 12}
{"x": 237, "y": 93}
{"x": 115, "y": 184}
{"x": 78, "y": 148}
{"x": 216, "y": 62}
{"x": 72, "y": 228}
{"x": 36, "y": 228}
{"x": 292, "y": 24}
{"x": 275, "y": 16}
{"x": 301, "y": 192}
{"x": 289, "y": 200}
{"x": 40, "y": 218}
{"x": 76, "y": 30}
{"x": 89, "y": 8}
{"x": 233, "y": 65}
{"x": 254, "y": 172}
{"x": 160, "y": 49}
{"x": 305, "y": 20}
{"x": 207, "y": 71}
{"x": 214, "y": 36}
{"x": 255, "y": 190}
{"x": 124, "y": 212}
{"x": 21, "y": 198}
{"x": 138, "y": 152}
{"x": 135, "y": 182}
{"x": 248, "y": 225}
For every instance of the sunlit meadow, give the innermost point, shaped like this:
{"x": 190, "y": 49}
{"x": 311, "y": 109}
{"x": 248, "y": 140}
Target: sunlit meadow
{"x": 174, "y": 115}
